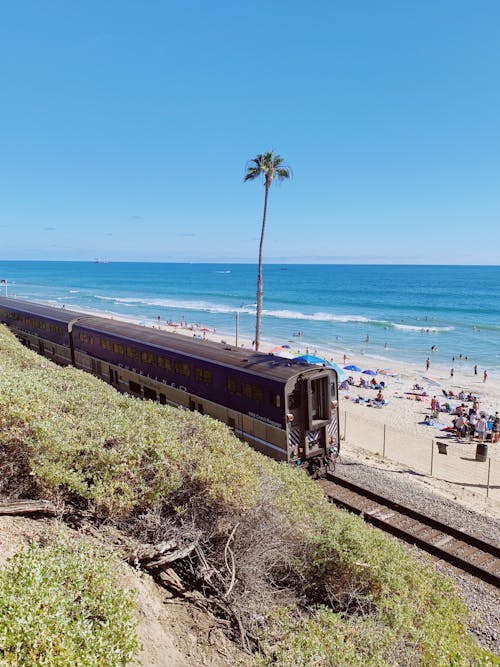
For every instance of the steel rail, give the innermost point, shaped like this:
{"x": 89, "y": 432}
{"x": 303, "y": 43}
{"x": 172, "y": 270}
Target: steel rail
{"x": 467, "y": 552}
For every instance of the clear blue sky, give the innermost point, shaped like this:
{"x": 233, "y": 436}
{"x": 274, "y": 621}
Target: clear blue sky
{"x": 126, "y": 127}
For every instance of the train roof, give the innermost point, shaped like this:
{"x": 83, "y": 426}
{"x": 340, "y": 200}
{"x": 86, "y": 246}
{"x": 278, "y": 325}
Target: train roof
{"x": 221, "y": 353}
{"x": 245, "y": 359}
{"x": 62, "y": 315}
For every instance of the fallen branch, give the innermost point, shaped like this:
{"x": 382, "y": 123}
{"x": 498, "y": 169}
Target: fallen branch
{"x": 23, "y": 507}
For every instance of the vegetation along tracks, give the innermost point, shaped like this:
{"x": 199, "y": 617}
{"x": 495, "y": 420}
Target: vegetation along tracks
{"x": 465, "y": 551}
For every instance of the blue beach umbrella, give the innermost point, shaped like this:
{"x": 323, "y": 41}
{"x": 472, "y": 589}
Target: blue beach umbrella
{"x": 311, "y": 359}
{"x": 318, "y": 361}
{"x": 352, "y": 367}
{"x": 341, "y": 374}
{"x": 369, "y": 372}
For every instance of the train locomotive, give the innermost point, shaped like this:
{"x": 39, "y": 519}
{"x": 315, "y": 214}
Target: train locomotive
{"x": 283, "y": 408}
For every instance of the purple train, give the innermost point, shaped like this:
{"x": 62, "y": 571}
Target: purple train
{"x": 282, "y": 408}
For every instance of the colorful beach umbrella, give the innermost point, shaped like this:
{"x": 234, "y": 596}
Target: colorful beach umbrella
{"x": 369, "y": 372}
{"x": 352, "y": 367}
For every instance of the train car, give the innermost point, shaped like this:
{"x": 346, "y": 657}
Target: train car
{"x": 283, "y": 408}
{"x": 41, "y": 328}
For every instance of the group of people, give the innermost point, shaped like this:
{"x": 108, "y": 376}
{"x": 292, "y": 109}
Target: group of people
{"x": 470, "y": 421}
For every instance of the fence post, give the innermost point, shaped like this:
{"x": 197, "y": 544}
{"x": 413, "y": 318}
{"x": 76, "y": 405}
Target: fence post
{"x": 488, "y": 482}
{"x": 432, "y": 456}
{"x": 383, "y": 451}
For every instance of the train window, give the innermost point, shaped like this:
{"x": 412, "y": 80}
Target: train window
{"x": 231, "y": 385}
{"x": 147, "y": 357}
{"x": 275, "y": 399}
{"x": 164, "y": 362}
{"x": 182, "y": 368}
{"x": 106, "y": 344}
{"x": 319, "y": 401}
{"x": 132, "y": 352}
{"x": 149, "y": 393}
{"x": 294, "y": 399}
{"x": 203, "y": 375}
{"x": 118, "y": 348}
{"x": 252, "y": 391}
{"x": 84, "y": 337}
{"x": 134, "y": 387}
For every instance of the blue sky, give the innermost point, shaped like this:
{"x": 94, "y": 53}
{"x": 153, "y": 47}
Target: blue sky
{"x": 126, "y": 128}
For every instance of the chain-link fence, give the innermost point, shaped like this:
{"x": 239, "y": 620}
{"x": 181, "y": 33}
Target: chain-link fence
{"x": 465, "y": 463}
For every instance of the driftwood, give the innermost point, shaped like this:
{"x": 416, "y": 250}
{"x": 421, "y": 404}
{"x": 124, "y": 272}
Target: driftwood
{"x": 156, "y": 556}
{"x": 23, "y": 507}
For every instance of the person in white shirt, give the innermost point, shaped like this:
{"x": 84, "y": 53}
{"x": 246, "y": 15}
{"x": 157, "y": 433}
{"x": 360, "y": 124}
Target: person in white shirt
{"x": 481, "y": 428}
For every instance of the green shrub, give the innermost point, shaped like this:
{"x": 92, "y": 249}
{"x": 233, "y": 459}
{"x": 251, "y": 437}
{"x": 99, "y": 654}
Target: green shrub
{"x": 59, "y": 607}
{"x": 359, "y": 593}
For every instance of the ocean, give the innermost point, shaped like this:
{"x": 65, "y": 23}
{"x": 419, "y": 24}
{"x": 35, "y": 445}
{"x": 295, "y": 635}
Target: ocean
{"x": 386, "y": 312}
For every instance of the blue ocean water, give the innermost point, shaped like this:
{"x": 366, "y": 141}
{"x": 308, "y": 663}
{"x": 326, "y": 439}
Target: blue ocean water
{"x": 403, "y": 310}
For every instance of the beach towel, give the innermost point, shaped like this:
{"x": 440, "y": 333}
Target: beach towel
{"x": 433, "y": 423}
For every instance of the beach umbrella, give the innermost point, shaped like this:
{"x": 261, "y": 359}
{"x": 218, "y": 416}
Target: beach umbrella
{"x": 311, "y": 359}
{"x": 369, "y": 372}
{"x": 341, "y": 374}
{"x": 352, "y": 367}
{"x": 318, "y": 361}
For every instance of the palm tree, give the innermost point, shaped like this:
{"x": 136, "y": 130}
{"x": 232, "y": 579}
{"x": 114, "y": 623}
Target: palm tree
{"x": 270, "y": 166}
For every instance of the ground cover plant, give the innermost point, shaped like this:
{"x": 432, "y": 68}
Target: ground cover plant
{"x": 59, "y": 607}
{"x": 301, "y": 582}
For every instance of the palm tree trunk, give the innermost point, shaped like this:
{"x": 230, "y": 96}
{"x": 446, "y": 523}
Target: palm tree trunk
{"x": 260, "y": 289}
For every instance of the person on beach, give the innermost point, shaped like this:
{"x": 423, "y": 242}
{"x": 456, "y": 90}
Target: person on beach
{"x": 367, "y": 339}
{"x": 495, "y": 429}
{"x": 472, "y": 423}
{"x": 427, "y": 363}
{"x": 475, "y": 369}
{"x": 481, "y": 428}
{"x": 485, "y": 376}
{"x": 451, "y": 372}
{"x": 345, "y": 358}
{"x": 433, "y": 403}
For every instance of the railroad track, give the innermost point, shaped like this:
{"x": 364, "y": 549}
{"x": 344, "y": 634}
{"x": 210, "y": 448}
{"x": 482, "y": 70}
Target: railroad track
{"x": 469, "y": 553}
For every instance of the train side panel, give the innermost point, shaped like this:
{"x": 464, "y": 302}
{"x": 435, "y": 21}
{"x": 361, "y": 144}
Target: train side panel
{"x": 46, "y": 335}
{"x": 253, "y": 406}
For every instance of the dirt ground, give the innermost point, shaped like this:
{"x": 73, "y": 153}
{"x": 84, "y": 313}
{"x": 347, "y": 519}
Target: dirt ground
{"x": 173, "y": 633}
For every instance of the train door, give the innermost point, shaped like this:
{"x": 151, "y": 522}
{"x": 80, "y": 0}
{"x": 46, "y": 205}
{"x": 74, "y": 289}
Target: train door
{"x": 41, "y": 347}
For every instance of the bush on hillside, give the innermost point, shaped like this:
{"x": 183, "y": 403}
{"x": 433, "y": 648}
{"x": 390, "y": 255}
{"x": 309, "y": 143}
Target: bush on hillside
{"x": 59, "y": 607}
{"x": 292, "y": 567}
